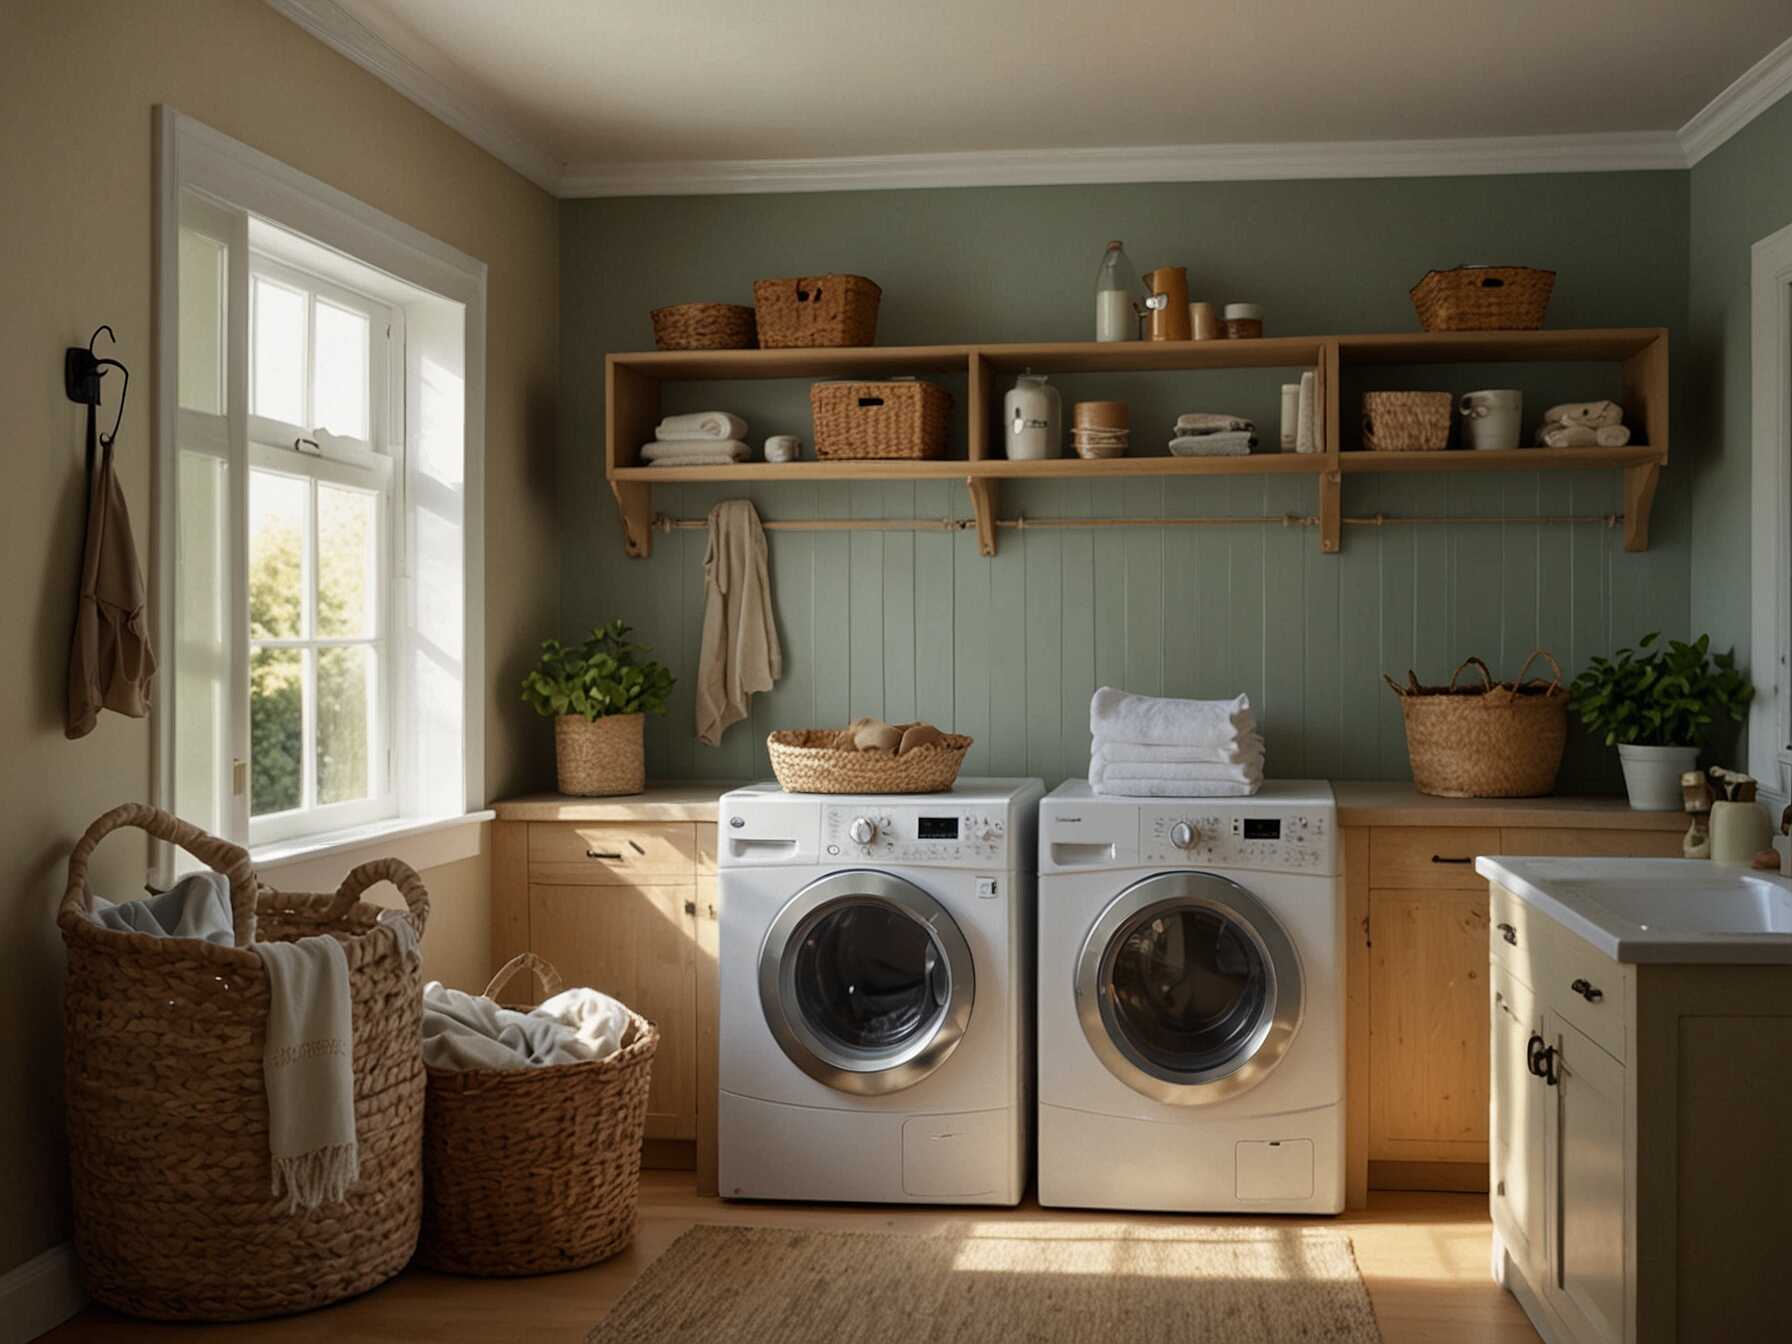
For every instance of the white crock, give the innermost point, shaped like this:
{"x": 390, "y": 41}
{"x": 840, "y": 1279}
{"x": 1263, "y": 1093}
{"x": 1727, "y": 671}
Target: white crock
{"x": 1652, "y": 775}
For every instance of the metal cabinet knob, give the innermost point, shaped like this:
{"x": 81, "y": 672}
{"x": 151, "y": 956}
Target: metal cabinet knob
{"x": 1509, "y": 933}
{"x": 1587, "y": 990}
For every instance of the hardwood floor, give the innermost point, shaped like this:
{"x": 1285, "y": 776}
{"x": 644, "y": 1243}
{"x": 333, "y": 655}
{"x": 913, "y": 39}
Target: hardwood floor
{"x": 1424, "y": 1258}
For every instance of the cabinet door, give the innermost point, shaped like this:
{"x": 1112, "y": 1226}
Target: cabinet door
{"x": 637, "y": 944}
{"x": 1517, "y": 1195}
{"x": 1587, "y": 1171}
{"x": 1428, "y": 1026}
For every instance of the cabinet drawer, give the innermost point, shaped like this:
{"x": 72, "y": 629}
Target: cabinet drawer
{"x": 1429, "y": 856}
{"x": 1548, "y": 959}
{"x": 1590, "y": 842}
{"x": 612, "y": 853}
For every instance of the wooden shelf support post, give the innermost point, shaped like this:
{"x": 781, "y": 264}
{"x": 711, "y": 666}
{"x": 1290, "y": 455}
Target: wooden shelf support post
{"x": 1639, "y": 498}
{"x": 984, "y": 497}
{"x": 634, "y": 502}
{"x": 1331, "y": 511}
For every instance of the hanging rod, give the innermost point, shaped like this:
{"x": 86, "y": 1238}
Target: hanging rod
{"x": 664, "y": 523}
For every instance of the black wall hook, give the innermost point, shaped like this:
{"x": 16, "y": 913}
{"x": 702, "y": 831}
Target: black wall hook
{"x": 81, "y": 374}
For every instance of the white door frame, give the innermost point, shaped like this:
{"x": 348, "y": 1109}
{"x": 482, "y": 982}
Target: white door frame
{"x": 1770, "y": 718}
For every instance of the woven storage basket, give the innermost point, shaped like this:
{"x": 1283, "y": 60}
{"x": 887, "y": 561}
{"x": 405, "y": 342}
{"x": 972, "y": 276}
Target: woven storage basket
{"x": 806, "y": 761}
{"x": 599, "y": 758}
{"x": 168, "y": 1113}
{"x": 1483, "y": 298}
{"x": 704, "y": 326}
{"x": 901, "y": 419}
{"x": 816, "y": 310}
{"x": 1406, "y": 422}
{"x": 528, "y": 1171}
{"x": 1498, "y": 740}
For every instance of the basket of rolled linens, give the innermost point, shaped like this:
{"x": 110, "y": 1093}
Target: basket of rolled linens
{"x": 867, "y": 756}
{"x": 1495, "y": 740}
{"x": 243, "y": 1081}
{"x": 532, "y": 1137}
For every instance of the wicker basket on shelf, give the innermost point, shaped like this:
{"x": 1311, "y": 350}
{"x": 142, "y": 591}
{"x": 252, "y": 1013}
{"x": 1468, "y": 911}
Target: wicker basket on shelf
{"x": 806, "y": 761}
{"x": 900, "y": 419}
{"x": 534, "y": 1170}
{"x": 1406, "y": 422}
{"x": 816, "y": 310}
{"x": 1495, "y": 740}
{"x": 1483, "y": 298}
{"x": 705, "y": 326}
{"x": 168, "y": 1110}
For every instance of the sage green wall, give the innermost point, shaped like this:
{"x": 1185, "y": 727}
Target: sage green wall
{"x": 1008, "y": 649}
{"x": 1741, "y": 193}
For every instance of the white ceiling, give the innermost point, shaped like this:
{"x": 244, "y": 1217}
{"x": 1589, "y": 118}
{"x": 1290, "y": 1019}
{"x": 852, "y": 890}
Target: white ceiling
{"x": 592, "y": 84}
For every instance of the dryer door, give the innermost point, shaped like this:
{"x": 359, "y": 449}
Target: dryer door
{"x": 1188, "y": 988}
{"x": 866, "y": 982}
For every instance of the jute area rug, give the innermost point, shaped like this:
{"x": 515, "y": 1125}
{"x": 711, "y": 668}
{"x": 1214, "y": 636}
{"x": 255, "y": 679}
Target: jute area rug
{"x": 1088, "y": 1284}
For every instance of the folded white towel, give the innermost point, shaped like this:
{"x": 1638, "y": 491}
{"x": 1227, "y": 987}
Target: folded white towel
{"x": 1207, "y": 422}
{"x": 1173, "y": 788}
{"x": 715, "y": 425}
{"x": 307, "y": 1064}
{"x": 1246, "y": 748}
{"x": 1248, "y": 773}
{"x": 467, "y": 1031}
{"x": 1230, "y": 444}
{"x": 695, "y": 452}
{"x": 1120, "y": 716}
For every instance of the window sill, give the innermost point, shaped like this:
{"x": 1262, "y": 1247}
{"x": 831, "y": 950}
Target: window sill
{"x": 422, "y": 842}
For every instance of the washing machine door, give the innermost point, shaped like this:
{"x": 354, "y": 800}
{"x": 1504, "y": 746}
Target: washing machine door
{"x": 866, "y": 982}
{"x": 1188, "y": 988}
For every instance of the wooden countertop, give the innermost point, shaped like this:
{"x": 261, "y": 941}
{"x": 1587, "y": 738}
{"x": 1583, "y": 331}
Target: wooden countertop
{"x": 1360, "y": 803}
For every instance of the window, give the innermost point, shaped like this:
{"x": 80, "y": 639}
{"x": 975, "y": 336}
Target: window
{"x": 317, "y": 520}
{"x": 1770, "y": 714}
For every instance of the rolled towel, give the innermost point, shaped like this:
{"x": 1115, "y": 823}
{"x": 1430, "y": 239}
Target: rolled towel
{"x": 701, "y": 425}
{"x": 1207, "y": 422}
{"x": 1251, "y": 773}
{"x": 694, "y": 452}
{"x": 1120, "y": 716}
{"x": 1247, "y": 748}
{"x": 1231, "y": 444}
{"x": 1172, "y": 788}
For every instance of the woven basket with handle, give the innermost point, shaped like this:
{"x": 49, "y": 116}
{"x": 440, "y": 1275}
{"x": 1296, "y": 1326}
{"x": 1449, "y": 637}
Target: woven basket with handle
{"x": 1495, "y": 740}
{"x": 1406, "y": 422}
{"x": 898, "y": 419}
{"x": 806, "y": 761}
{"x": 1483, "y": 298}
{"x": 816, "y": 310}
{"x": 528, "y": 1171}
{"x": 168, "y": 1114}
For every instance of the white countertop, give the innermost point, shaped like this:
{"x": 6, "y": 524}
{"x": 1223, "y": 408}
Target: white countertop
{"x": 1657, "y": 910}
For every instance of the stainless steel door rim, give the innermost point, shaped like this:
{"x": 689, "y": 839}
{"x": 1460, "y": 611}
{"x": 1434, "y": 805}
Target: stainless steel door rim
{"x": 824, "y": 1056}
{"x": 1274, "y": 1024}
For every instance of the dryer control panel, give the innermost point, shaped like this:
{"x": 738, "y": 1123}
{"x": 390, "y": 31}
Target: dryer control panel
{"x": 884, "y": 832}
{"x": 1191, "y": 835}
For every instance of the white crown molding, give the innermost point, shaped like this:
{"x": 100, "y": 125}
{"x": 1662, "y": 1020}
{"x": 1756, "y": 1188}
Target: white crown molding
{"x": 472, "y": 116}
{"x": 40, "y": 1295}
{"x": 1761, "y": 86}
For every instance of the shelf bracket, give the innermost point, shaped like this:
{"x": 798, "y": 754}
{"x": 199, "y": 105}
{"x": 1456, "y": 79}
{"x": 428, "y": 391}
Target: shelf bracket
{"x": 983, "y": 505}
{"x": 1330, "y": 510}
{"x": 634, "y": 502}
{"x": 1639, "y": 497}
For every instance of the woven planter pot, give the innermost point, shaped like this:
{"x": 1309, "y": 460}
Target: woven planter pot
{"x": 597, "y": 758}
{"x": 1498, "y": 740}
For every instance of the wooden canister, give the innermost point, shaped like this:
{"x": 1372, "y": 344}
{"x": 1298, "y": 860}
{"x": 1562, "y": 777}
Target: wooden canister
{"x": 1204, "y": 320}
{"x": 1168, "y": 304}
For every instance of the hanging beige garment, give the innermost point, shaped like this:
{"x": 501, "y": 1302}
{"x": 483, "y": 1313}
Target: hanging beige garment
{"x": 740, "y": 655}
{"x": 110, "y": 662}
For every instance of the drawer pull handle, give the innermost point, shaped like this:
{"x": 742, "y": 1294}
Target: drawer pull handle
{"x": 1509, "y": 933}
{"x": 1540, "y": 1059}
{"x": 1439, "y": 858}
{"x": 1587, "y": 990}
{"x": 612, "y": 855}
{"x": 690, "y": 907}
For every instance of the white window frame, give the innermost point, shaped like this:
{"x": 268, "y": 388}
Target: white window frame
{"x": 192, "y": 157}
{"x": 1770, "y": 715}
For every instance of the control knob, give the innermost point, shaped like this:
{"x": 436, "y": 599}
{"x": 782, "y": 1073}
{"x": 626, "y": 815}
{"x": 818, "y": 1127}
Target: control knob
{"x": 1183, "y": 835}
{"x": 863, "y": 830}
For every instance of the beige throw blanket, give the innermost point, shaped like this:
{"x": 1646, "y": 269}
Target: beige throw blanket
{"x": 740, "y": 654}
{"x": 308, "y": 1065}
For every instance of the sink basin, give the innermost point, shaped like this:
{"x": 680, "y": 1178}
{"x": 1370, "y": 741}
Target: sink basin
{"x": 1657, "y": 909}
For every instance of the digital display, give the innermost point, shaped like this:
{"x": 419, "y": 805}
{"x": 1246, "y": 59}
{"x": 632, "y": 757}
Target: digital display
{"x": 1261, "y": 828}
{"x": 937, "y": 828}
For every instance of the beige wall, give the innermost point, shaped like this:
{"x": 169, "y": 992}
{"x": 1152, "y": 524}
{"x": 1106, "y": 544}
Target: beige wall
{"x": 75, "y": 251}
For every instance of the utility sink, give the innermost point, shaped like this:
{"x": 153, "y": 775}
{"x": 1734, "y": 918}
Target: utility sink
{"x": 1657, "y": 910}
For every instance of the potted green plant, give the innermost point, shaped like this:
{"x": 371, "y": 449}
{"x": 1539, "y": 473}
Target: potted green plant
{"x": 596, "y": 693}
{"x": 1654, "y": 705}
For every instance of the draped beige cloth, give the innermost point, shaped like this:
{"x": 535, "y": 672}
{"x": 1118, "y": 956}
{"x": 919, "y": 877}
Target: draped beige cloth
{"x": 740, "y": 655}
{"x": 110, "y": 662}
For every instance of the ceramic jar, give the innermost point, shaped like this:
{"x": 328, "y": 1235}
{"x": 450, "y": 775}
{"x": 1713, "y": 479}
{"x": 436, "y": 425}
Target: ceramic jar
{"x": 1491, "y": 419}
{"x": 1030, "y": 419}
{"x": 1244, "y": 321}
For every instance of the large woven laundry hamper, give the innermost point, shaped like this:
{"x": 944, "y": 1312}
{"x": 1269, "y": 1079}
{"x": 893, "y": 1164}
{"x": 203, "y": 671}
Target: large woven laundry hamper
{"x": 529, "y": 1171}
{"x": 168, "y": 1113}
{"x": 1497, "y": 740}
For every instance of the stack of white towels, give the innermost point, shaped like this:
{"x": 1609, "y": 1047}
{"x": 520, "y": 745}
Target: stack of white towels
{"x": 1147, "y": 747}
{"x": 702, "y": 439}
{"x": 1207, "y": 434}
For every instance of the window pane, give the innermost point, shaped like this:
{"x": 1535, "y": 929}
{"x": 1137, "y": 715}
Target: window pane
{"x": 276, "y": 730}
{"x": 347, "y": 564}
{"x": 277, "y": 555}
{"x": 344, "y": 704}
{"x": 339, "y": 378}
{"x": 202, "y": 297}
{"x": 202, "y": 672}
{"x": 277, "y": 354}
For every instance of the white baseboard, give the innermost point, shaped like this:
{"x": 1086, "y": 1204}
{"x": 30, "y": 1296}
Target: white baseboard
{"x": 40, "y": 1295}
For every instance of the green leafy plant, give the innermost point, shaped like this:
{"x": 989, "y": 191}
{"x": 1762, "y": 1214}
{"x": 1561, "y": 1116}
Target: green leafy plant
{"x": 1659, "y": 697}
{"x": 607, "y": 674}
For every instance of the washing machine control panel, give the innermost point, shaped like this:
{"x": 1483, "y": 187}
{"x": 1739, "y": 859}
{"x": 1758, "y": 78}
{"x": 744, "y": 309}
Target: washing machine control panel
{"x": 951, "y": 836}
{"x": 1195, "y": 836}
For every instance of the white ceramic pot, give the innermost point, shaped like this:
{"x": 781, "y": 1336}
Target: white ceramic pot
{"x": 1652, "y": 775}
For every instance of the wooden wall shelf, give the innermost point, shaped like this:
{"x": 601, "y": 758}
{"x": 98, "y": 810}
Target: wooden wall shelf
{"x": 632, "y": 408}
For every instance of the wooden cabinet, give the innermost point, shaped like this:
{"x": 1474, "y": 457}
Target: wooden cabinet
{"x": 1517, "y": 1178}
{"x": 1583, "y": 1139}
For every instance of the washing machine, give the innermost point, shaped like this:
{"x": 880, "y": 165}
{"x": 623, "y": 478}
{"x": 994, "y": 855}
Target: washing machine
{"x": 875, "y": 956}
{"x": 1191, "y": 1002}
